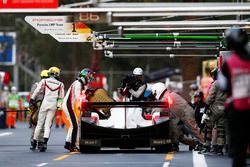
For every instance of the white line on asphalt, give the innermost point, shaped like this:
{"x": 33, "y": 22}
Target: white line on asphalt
{"x": 42, "y": 164}
{"x": 6, "y": 134}
{"x": 121, "y": 163}
{"x": 166, "y": 164}
{"x": 199, "y": 160}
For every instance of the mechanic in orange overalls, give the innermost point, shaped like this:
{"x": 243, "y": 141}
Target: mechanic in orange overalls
{"x": 12, "y": 106}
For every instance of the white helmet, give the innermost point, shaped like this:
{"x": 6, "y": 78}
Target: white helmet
{"x": 6, "y": 88}
{"x": 158, "y": 89}
{"x": 13, "y": 89}
{"x": 138, "y": 71}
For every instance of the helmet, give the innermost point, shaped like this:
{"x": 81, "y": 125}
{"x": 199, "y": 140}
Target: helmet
{"x": 6, "y": 88}
{"x": 138, "y": 71}
{"x": 87, "y": 73}
{"x": 236, "y": 38}
{"x": 54, "y": 71}
{"x": 158, "y": 89}
{"x": 44, "y": 74}
{"x": 214, "y": 73}
{"x": 193, "y": 87}
{"x": 13, "y": 89}
{"x": 199, "y": 93}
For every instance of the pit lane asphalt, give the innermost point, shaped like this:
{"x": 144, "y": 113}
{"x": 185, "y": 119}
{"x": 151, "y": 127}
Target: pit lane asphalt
{"x": 14, "y": 152}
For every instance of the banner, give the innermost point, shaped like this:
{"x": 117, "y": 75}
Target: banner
{"x": 28, "y": 4}
{"x": 62, "y": 28}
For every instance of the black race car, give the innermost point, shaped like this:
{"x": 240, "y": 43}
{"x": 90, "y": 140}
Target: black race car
{"x": 94, "y": 136}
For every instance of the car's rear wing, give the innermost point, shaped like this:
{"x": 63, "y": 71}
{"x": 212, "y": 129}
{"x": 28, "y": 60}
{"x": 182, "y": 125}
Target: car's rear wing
{"x": 131, "y": 104}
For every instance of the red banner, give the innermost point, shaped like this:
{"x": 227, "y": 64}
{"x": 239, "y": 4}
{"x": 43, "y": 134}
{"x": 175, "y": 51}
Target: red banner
{"x": 28, "y": 4}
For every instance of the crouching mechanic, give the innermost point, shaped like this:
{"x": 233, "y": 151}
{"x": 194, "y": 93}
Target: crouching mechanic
{"x": 35, "y": 109}
{"x": 73, "y": 94}
{"x": 53, "y": 91}
{"x": 181, "y": 110}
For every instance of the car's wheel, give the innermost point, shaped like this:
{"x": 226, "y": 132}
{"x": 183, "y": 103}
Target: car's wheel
{"x": 89, "y": 149}
{"x": 163, "y": 148}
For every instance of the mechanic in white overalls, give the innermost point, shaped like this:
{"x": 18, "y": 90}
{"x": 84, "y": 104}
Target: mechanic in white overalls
{"x": 53, "y": 91}
{"x": 34, "y": 111}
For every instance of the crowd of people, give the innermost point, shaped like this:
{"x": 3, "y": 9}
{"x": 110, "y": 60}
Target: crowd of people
{"x": 13, "y": 105}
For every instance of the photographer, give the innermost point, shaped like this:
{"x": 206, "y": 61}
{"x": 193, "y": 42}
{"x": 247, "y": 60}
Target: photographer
{"x": 133, "y": 86}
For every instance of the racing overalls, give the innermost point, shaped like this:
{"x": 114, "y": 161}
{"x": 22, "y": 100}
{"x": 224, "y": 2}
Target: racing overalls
{"x": 73, "y": 94}
{"x": 53, "y": 91}
{"x": 181, "y": 110}
{"x": 34, "y": 113}
{"x": 12, "y": 105}
{"x": 216, "y": 111}
{"x": 235, "y": 80}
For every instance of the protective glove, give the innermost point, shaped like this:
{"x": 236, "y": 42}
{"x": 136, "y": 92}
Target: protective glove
{"x": 59, "y": 108}
{"x": 59, "y": 104}
{"x": 120, "y": 90}
{"x": 83, "y": 106}
{"x": 29, "y": 111}
{"x": 204, "y": 118}
{"x": 32, "y": 104}
{"x": 123, "y": 92}
{"x": 89, "y": 93}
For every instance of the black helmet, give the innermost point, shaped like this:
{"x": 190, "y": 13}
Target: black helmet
{"x": 236, "y": 38}
{"x": 199, "y": 93}
{"x": 214, "y": 73}
{"x": 194, "y": 87}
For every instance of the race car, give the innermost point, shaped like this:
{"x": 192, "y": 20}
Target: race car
{"x": 121, "y": 129}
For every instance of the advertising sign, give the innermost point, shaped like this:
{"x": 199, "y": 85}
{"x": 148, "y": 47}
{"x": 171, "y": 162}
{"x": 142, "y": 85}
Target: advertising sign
{"x": 7, "y": 49}
{"x": 28, "y": 4}
{"x": 62, "y": 28}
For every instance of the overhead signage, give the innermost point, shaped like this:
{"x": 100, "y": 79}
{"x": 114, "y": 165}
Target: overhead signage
{"x": 62, "y": 28}
{"x": 28, "y": 4}
{"x": 51, "y": 24}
